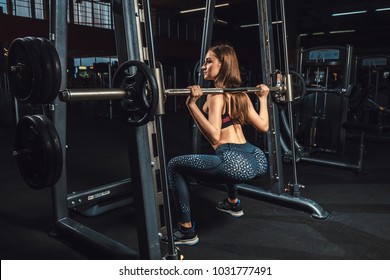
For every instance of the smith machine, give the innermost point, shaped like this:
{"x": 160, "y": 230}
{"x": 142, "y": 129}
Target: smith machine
{"x": 40, "y": 146}
{"x": 139, "y": 90}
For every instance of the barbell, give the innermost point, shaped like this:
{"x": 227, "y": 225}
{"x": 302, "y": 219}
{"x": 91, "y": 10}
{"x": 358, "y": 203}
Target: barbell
{"x": 34, "y": 73}
{"x": 35, "y": 76}
{"x": 139, "y": 88}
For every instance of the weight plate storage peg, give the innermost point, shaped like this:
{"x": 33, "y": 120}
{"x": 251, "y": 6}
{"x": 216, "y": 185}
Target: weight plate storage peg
{"x": 38, "y": 151}
{"x": 140, "y": 101}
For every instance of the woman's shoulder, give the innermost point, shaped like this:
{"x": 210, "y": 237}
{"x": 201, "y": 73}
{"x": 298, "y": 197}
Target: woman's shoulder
{"x": 215, "y": 102}
{"x": 216, "y": 96}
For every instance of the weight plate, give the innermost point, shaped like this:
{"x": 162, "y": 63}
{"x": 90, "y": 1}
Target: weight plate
{"x": 57, "y": 148}
{"x": 140, "y": 102}
{"x": 56, "y": 69}
{"x": 46, "y": 66}
{"x": 24, "y": 71}
{"x": 35, "y": 153}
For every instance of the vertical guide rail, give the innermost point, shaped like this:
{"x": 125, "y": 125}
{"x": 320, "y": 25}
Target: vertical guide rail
{"x": 59, "y": 37}
{"x": 207, "y": 35}
{"x": 289, "y": 99}
{"x": 128, "y": 38}
{"x": 268, "y": 63}
{"x": 344, "y": 101}
{"x": 208, "y": 23}
{"x": 161, "y": 157}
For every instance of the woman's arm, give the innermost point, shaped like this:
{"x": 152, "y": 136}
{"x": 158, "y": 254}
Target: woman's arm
{"x": 211, "y": 126}
{"x": 260, "y": 120}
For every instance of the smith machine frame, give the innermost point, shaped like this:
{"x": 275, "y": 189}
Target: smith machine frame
{"x": 134, "y": 41}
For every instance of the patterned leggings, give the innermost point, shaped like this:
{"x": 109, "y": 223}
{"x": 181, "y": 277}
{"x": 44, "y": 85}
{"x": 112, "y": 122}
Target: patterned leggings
{"x": 231, "y": 164}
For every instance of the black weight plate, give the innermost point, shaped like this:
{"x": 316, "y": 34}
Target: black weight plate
{"x": 50, "y": 154}
{"x": 23, "y": 71}
{"x": 56, "y": 69}
{"x": 47, "y": 72}
{"x": 57, "y": 148}
{"x": 38, "y": 74}
{"x": 140, "y": 103}
{"x": 34, "y": 152}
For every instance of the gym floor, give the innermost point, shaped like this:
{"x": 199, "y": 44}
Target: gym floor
{"x": 358, "y": 226}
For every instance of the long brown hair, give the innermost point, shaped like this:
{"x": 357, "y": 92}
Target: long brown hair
{"x": 230, "y": 77}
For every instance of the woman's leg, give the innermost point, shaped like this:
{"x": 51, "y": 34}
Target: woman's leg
{"x": 203, "y": 166}
{"x": 178, "y": 168}
{"x": 232, "y": 192}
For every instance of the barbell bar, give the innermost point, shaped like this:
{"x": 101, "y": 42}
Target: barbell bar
{"x": 186, "y": 91}
{"x": 325, "y": 89}
{"x": 85, "y": 94}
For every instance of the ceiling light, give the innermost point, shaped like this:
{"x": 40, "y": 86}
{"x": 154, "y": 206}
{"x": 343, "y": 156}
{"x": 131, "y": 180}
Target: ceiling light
{"x": 202, "y": 8}
{"x": 303, "y": 35}
{"x": 382, "y": 9}
{"x": 256, "y": 24}
{"x": 349, "y": 13}
{"x": 249, "y": 25}
{"x": 341, "y": 31}
{"x": 220, "y": 21}
{"x": 318, "y": 33}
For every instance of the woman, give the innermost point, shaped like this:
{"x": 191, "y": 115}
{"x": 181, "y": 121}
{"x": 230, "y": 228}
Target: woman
{"x": 221, "y": 121}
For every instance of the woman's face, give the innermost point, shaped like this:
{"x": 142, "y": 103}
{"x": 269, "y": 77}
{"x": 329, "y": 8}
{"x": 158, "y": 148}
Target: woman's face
{"x": 211, "y": 66}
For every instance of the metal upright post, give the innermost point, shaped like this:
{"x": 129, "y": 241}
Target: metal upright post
{"x": 344, "y": 101}
{"x": 128, "y": 36}
{"x": 289, "y": 98}
{"x": 207, "y": 34}
{"x": 59, "y": 36}
{"x": 268, "y": 63}
{"x": 172, "y": 252}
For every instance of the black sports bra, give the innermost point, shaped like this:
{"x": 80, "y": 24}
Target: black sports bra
{"x": 226, "y": 120}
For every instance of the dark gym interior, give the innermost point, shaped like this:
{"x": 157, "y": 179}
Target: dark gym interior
{"x": 342, "y": 127}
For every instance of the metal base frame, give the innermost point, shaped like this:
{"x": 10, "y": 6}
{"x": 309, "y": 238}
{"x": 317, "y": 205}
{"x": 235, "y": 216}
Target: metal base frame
{"x": 284, "y": 199}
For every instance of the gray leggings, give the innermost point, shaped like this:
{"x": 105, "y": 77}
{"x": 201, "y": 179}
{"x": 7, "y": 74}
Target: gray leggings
{"x": 231, "y": 164}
